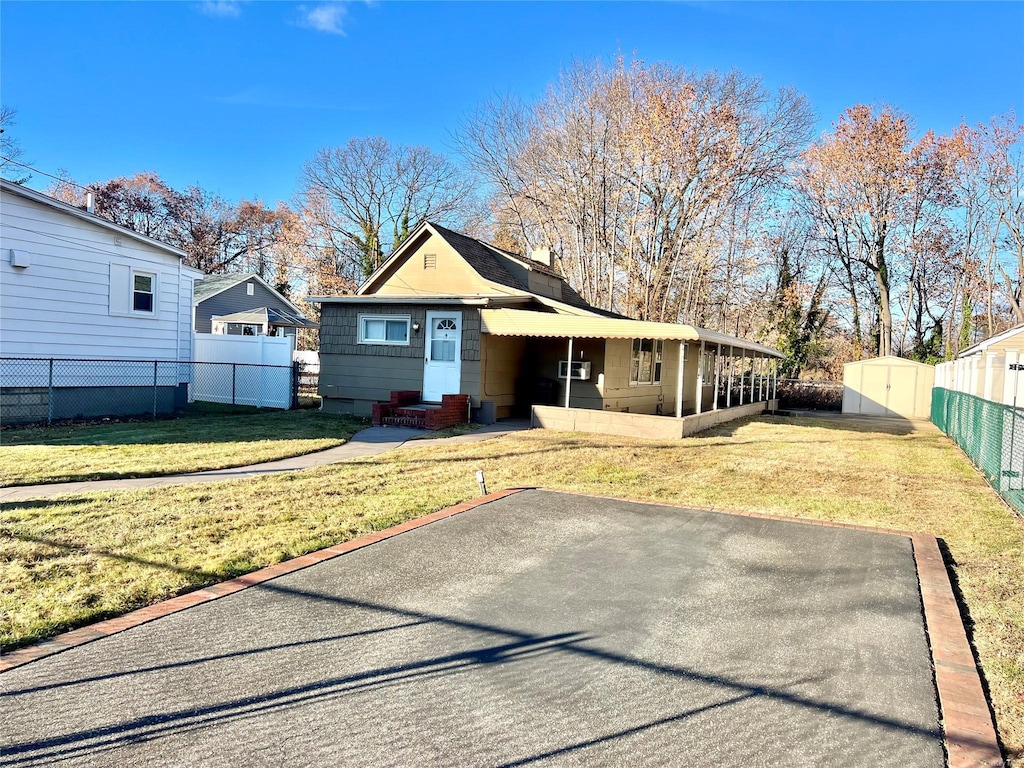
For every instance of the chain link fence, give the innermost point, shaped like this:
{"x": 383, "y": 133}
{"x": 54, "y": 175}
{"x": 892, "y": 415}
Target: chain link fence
{"x": 990, "y": 433}
{"x": 46, "y": 390}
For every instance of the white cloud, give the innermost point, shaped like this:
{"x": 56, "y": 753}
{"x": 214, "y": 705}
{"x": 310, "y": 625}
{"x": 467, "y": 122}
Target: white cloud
{"x": 326, "y": 17}
{"x": 224, "y": 9}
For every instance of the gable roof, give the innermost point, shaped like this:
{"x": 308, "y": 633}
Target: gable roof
{"x": 38, "y": 197}
{"x": 215, "y": 284}
{"x": 488, "y": 261}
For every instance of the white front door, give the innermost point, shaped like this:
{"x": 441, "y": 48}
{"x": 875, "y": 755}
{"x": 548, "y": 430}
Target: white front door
{"x": 442, "y": 361}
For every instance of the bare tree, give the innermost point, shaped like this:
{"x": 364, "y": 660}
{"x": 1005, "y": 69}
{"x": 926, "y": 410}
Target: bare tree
{"x": 363, "y": 199}
{"x": 218, "y": 236}
{"x": 11, "y": 153}
{"x": 634, "y": 173}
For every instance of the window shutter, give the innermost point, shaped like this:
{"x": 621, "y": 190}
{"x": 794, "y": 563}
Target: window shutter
{"x": 120, "y": 289}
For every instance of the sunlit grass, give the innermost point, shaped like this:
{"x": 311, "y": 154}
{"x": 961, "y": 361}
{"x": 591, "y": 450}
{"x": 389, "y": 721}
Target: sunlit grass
{"x": 66, "y": 563}
{"x": 147, "y": 448}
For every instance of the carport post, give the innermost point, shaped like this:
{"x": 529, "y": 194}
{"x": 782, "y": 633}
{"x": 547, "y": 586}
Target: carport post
{"x": 743, "y": 364}
{"x": 568, "y": 375}
{"x": 679, "y": 379}
{"x": 753, "y": 377}
{"x": 760, "y": 383}
{"x": 728, "y": 386}
{"x": 718, "y": 375}
{"x": 700, "y": 377}
{"x": 775, "y": 379}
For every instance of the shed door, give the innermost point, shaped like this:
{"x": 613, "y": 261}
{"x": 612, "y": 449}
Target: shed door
{"x": 442, "y": 362}
{"x": 902, "y": 391}
{"x": 874, "y": 390}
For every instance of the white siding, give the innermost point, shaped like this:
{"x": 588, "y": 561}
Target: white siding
{"x": 60, "y": 305}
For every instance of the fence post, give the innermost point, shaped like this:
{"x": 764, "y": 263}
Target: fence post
{"x": 295, "y": 386}
{"x": 233, "y": 368}
{"x": 155, "y": 364}
{"x": 49, "y": 396}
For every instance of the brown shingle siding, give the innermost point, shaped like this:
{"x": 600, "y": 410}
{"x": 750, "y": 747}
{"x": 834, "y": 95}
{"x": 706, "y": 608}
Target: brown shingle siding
{"x": 339, "y": 329}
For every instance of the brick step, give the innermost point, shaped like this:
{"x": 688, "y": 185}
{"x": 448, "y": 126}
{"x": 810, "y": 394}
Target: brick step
{"x": 413, "y": 422}
{"x": 415, "y": 412}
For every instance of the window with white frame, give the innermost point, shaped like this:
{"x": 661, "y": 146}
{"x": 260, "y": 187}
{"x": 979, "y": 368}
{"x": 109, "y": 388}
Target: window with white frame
{"x": 709, "y": 367}
{"x": 384, "y": 329}
{"x": 646, "y": 362}
{"x": 143, "y": 292}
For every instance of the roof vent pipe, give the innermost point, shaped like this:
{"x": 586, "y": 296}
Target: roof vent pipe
{"x": 543, "y": 255}
{"x": 90, "y": 202}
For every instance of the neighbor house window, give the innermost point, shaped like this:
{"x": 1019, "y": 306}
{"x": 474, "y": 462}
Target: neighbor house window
{"x": 383, "y": 329}
{"x": 645, "y": 364}
{"x": 143, "y": 292}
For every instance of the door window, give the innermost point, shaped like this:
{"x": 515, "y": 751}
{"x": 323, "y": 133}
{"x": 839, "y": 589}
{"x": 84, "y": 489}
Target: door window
{"x": 443, "y": 340}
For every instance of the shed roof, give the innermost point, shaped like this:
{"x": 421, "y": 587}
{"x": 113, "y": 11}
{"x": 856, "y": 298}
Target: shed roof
{"x": 518, "y": 322}
{"x": 888, "y": 360}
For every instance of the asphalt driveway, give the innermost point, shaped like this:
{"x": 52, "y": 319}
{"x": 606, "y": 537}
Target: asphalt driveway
{"x": 542, "y": 628}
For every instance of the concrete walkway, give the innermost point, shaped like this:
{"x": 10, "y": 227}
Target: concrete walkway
{"x": 369, "y": 442}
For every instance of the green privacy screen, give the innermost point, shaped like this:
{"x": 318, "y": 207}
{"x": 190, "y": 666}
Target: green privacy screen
{"x": 991, "y": 434}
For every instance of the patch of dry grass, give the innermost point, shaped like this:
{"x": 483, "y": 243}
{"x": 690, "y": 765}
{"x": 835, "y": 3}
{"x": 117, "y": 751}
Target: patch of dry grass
{"x": 79, "y": 452}
{"x": 65, "y": 563}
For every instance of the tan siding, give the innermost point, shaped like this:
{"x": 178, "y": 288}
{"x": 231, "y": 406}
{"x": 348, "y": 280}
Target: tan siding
{"x": 501, "y": 360}
{"x": 450, "y": 275}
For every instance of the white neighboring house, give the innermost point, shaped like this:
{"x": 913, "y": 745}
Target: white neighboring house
{"x": 74, "y": 286}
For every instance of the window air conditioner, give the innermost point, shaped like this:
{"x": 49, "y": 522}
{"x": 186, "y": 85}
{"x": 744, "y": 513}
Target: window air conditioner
{"x": 580, "y": 369}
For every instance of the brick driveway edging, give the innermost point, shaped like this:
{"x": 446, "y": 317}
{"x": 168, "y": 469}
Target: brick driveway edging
{"x": 107, "y": 627}
{"x": 968, "y": 728}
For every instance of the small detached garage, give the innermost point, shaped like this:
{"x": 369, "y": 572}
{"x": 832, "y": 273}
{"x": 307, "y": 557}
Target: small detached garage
{"x": 888, "y": 386}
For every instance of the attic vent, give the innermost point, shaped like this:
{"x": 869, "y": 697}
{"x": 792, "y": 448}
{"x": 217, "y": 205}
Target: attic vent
{"x": 429, "y": 260}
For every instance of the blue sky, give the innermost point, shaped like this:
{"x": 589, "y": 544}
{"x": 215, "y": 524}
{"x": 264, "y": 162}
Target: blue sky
{"x": 236, "y": 96}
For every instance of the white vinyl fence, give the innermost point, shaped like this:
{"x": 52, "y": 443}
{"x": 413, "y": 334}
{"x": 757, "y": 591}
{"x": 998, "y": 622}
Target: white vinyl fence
{"x": 998, "y": 378}
{"x": 260, "y": 373}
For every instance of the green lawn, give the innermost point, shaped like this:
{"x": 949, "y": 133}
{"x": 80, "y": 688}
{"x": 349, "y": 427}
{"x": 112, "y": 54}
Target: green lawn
{"x": 146, "y": 448}
{"x": 69, "y": 562}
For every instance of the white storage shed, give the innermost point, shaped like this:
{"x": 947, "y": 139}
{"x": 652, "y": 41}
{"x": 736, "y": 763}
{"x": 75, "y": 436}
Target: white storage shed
{"x": 888, "y": 386}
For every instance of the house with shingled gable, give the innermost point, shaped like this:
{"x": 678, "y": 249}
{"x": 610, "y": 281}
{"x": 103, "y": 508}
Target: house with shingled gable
{"x": 500, "y": 333}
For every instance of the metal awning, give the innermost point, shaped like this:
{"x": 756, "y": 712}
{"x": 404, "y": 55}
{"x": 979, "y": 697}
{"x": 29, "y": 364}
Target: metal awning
{"x": 518, "y": 322}
{"x": 267, "y": 316}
